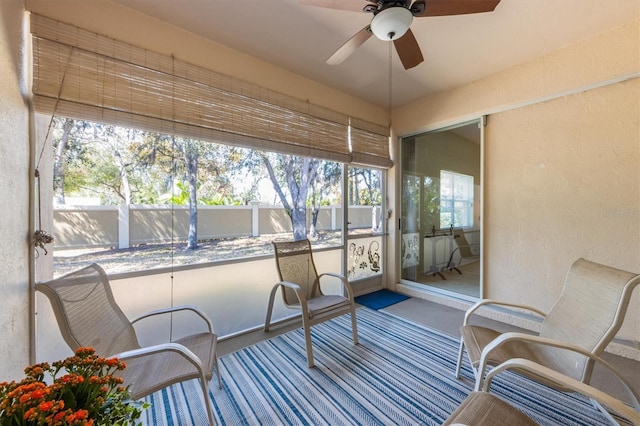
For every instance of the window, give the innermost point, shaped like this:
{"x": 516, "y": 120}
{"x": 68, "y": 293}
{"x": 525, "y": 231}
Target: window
{"x": 185, "y": 142}
{"x": 456, "y": 200}
{"x": 130, "y": 200}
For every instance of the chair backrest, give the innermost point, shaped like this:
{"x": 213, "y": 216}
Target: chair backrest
{"x": 87, "y": 313}
{"x": 463, "y": 244}
{"x": 588, "y": 314}
{"x": 294, "y": 261}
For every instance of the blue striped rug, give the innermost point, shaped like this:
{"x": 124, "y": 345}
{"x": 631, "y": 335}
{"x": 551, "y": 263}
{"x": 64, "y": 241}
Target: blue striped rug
{"x": 400, "y": 374}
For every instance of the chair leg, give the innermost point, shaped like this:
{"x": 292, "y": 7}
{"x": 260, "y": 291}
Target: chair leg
{"x": 354, "y": 325}
{"x": 307, "y": 338}
{"x": 479, "y": 375}
{"x": 207, "y": 402}
{"x": 460, "y": 352}
{"x": 217, "y": 371}
{"x": 604, "y": 412}
{"x": 267, "y": 322}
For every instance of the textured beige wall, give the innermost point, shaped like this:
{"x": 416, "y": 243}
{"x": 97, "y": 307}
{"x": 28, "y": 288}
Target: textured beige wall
{"x": 562, "y": 175}
{"x": 14, "y": 197}
{"x": 608, "y": 55}
{"x": 562, "y": 182}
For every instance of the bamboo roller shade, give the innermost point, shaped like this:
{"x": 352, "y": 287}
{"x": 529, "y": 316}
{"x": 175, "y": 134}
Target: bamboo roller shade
{"x": 84, "y": 75}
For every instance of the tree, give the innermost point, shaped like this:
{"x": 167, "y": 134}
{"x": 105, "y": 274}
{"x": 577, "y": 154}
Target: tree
{"x": 323, "y": 187}
{"x": 190, "y": 154}
{"x": 70, "y": 154}
{"x": 59, "y": 164}
{"x": 116, "y": 154}
{"x": 298, "y": 174}
{"x": 203, "y": 176}
{"x": 371, "y": 193}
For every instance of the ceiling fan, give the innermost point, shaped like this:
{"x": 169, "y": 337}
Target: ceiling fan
{"x": 392, "y": 19}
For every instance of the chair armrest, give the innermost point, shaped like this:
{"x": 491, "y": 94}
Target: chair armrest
{"x": 343, "y": 280}
{"x": 514, "y": 335}
{"x": 571, "y": 383}
{"x": 299, "y": 295}
{"x": 485, "y": 302}
{"x": 162, "y": 311}
{"x": 181, "y": 350}
{"x": 510, "y": 336}
{"x": 293, "y": 286}
{"x": 302, "y": 298}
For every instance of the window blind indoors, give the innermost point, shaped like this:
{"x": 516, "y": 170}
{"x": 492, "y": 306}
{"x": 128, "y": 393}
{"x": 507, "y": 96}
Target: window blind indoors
{"x": 84, "y": 75}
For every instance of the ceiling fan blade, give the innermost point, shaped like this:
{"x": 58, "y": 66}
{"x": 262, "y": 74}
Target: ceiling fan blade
{"x": 453, "y": 7}
{"x": 350, "y": 46}
{"x": 352, "y": 5}
{"x": 408, "y": 50}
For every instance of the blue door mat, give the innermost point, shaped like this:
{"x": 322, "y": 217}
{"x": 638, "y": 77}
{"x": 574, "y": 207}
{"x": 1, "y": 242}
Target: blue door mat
{"x": 380, "y": 299}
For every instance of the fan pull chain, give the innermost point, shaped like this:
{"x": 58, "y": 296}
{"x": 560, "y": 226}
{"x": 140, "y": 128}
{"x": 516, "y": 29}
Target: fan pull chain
{"x": 173, "y": 176}
{"x": 390, "y": 85}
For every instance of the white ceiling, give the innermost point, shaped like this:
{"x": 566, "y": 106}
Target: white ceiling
{"x": 457, "y": 49}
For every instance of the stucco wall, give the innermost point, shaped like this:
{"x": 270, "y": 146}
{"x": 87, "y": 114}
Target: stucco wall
{"x": 14, "y": 196}
{"x": 562, "y": 165}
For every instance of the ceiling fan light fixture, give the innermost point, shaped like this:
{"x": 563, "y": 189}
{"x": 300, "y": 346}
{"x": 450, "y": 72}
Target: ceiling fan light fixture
{"x": 391, "y": 23}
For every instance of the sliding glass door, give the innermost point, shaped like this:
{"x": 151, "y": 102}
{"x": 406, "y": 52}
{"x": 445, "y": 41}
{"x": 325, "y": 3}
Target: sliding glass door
{"x": 366, "y": 224}
{"x": 441, "y": 194}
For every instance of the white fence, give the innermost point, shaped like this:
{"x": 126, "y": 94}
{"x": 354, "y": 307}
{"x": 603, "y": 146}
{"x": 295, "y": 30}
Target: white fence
{"x": 129, "y": 225}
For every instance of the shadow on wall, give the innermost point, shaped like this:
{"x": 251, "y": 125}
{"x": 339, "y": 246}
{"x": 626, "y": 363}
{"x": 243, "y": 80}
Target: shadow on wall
{"x": 13, "y": 34}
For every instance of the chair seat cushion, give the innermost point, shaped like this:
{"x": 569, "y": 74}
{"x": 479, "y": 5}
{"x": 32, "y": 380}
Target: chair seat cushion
{"x": 151, "y": 373}
{"x": 485, "y": 409}
{"x": 203, "y": 345}
{"x": 325, "y": 303}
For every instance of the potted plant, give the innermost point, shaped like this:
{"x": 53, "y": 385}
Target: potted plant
{"x": 80, "y": 390}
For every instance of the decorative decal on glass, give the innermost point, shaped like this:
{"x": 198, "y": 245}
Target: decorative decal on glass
{"x": 364, "y": 259}
{"x": 410, "y": 249}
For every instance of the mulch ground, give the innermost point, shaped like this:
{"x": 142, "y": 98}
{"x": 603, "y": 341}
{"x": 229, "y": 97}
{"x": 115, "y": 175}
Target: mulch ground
{"x": 151, "y": 256}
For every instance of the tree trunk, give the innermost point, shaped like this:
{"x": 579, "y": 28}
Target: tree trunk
{"x": 299, "y": 221}
{"x": 313, "y": 228}
{"x": 60, "y": 163}
{"x": 191, "y": 163}
{"x": 125, "y": 190}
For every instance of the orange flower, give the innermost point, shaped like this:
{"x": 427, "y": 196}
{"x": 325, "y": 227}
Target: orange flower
{"x": 85, "y": 350}
{"x": 46, "y": 406}
{"x": 29, "y": 413}
{"x": 81, "y": 414}
{"x": 37, "y": 394}
{"x": 112, "y": 362}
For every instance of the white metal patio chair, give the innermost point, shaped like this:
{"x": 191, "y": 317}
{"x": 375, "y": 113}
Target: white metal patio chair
{"x": 581, "y": 324}
{"x": 301, "y": 290}
{"x": 88, "y": 316}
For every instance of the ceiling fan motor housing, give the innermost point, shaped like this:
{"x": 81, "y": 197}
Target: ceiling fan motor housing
{"x": 391, "y": 23}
